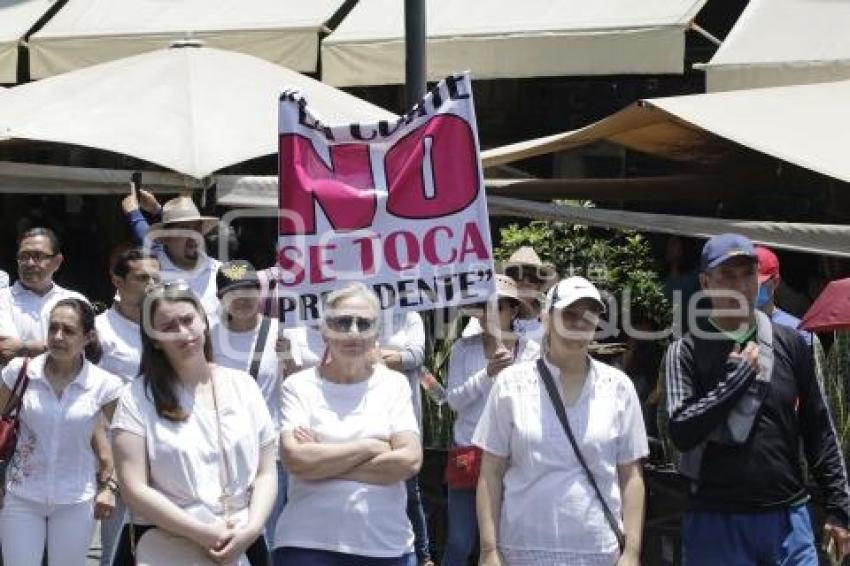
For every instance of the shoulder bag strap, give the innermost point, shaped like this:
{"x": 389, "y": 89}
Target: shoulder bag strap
{"x": 259, "y": 347}
{"x": 560, "y": 411}
{"x": 16, "y": 395}
{"x": 223, "y": 464}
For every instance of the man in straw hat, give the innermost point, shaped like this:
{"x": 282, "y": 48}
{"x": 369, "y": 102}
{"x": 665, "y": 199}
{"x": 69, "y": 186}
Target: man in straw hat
{"x": 179, "y": 237}
{"x": 532, "y": 278}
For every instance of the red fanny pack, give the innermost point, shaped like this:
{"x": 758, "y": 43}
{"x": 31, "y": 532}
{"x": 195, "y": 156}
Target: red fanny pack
{"x": 463, "y": 467}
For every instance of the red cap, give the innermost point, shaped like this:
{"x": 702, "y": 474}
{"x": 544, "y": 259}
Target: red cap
{"x": 768, "y": 264}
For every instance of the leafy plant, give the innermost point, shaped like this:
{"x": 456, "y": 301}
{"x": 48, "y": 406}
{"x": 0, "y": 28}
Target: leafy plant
{"x": 614, "y": 260}
{"x": 836, "y": 374}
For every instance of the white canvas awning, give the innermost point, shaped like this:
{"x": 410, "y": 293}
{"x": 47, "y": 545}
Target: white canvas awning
{"x": 511, "y": 39}
{"x": 16, "y": 18}
{"x": 807, "y": 125}
{"x": 86, "y": 32}
{"x": 826, "y": 239}
{"x": 33, "y": 179}
{"x": 193, "y": 110}
{"x": 783, "y": 42}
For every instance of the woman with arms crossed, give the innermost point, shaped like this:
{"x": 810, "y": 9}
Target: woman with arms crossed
{"x": 349, "y": 439}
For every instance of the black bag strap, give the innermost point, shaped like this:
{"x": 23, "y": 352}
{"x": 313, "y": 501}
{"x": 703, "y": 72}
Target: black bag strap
{"x": 561, "y": 412}
{"x": 16, "y": 395}
{"x": 259, "y": 347}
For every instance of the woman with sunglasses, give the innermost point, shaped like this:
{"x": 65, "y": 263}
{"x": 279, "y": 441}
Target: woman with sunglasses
{"x": 194, "y": 442}
{"x": 536, "y": 502}
{"x": 349, "y": 440}
{"x": 54, "y": 491}
{"x": 473, "y": 366}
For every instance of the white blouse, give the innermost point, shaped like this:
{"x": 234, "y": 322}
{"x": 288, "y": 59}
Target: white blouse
{"x": 469, "y": 384}
{"x": 54, "y": 462}
{"x": 184, "y": 457}
{"x": 548, "y": 503}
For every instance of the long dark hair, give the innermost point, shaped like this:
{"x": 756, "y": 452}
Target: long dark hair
{"x": 155, "y": 367}
{"x": 93, "y": 350}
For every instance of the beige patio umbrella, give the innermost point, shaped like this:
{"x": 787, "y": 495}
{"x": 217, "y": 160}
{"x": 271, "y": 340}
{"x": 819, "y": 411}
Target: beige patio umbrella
{"x": 194, "y": 110}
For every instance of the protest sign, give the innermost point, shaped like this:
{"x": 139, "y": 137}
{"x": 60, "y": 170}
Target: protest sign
{"x": 397, "y": 205}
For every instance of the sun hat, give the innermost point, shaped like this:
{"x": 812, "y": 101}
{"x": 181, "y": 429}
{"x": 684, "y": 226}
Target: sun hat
{"x": 507, "y": 287}
{"x": 182, "y": 209}
{"x": 527, "y": 257}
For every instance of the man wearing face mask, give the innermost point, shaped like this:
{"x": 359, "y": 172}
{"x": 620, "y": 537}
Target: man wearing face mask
{"x": 769, "y": 279}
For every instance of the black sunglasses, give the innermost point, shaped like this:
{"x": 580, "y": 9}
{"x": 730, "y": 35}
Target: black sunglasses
{"x": 343, "y": 323}
{"x": 530, "y": 274}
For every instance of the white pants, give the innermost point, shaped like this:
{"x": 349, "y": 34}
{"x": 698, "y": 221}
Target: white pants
{"x": 25, "y": 527}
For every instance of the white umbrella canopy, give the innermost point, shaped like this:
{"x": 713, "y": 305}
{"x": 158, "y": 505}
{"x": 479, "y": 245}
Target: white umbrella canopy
{"x": 193, "y": 110}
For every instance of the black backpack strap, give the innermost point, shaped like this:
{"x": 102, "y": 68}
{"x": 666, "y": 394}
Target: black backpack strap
{"x": 561, "y": 412}
{"x": 259, "y": 347}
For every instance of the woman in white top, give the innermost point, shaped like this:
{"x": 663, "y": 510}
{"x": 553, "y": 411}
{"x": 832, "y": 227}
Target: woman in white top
{"x": 236, "y": 345}
{"x": 349, "y": 439}
{"x": 474, "y": 364}
{"x": 53, "y": 495}
{"x": 194, "y": 442}
{"x": 536, "y": 504}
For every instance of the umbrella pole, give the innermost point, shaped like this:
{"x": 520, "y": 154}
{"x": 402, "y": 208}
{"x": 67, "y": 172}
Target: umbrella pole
{"x": 415, "y": 64}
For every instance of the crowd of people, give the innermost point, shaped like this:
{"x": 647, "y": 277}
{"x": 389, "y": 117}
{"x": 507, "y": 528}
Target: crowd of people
{"x": 197, "y": 430}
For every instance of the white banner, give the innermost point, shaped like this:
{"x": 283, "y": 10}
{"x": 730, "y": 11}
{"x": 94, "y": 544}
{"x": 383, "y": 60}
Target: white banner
{"x": 397, "y": 205}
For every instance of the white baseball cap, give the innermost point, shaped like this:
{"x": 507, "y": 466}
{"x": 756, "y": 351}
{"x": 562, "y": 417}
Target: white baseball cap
{"x": 570, "y": 290}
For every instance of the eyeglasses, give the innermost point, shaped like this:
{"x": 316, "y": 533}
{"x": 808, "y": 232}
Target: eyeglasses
{"x": 528, "y": 274}
{"x": 37, "y": 257}
{"x": 170, "y": 288}
{"x": 344, "y": 323}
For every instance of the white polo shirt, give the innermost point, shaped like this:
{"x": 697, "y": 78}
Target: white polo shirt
{"x": 121, "y": 341}
{"x": 54, "y": 463}
{"x": 548, "y": 504}
{"x": 201, "y": 280}
{"x": 24, "y": 315}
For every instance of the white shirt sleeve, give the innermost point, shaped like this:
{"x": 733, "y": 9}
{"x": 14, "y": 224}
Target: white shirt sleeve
{"x": 493, "y": 432}
{"x": 632, "y": 444}
{"x": 294, "y": 412}
{"x": 7, "y": 324}
{"x": 110, "y": 390}
{"x": 402, "y": 417}
{"x": 463, "y": 389}
{"x": 128, "y": 415}
{"x": 414, "y": 348}
{"x": 11, "y": 372}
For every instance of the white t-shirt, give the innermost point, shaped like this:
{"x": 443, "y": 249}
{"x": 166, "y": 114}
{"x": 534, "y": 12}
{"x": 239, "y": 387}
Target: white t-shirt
{"x": 342, "y": 515}
{"x": 548, "y": 503}
{"x": 469, "y": 384}
{"x": 184, "y": 457}
{"x": 201, "y": 280}
{"x": 24, "y": 315}
{"x": 234, "y": 350}
{"x": 121, "y": 341}
{"x": 54, "y": 463}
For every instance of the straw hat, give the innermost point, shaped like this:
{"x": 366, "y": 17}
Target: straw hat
{"x": 181, "y": 209}
{"x": 506, "y": 287}
{"x": 527, "y": 257}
